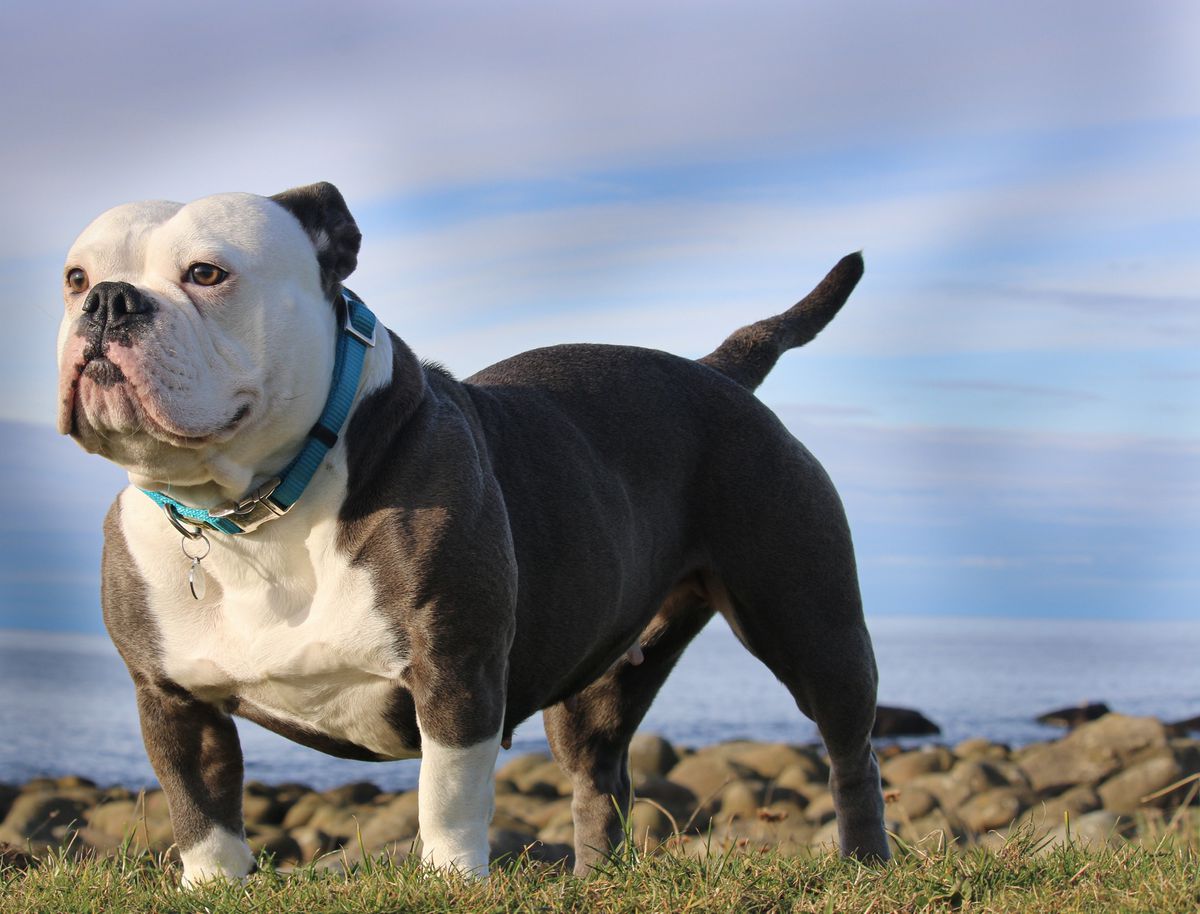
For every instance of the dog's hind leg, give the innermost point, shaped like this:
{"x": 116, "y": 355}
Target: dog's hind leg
{"x": 792, "y": 598}
{"x": 830, "y": 672}
{"x": 590, "y": 734}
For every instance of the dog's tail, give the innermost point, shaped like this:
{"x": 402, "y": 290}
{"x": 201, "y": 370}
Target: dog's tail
{"x": 750, "y": 353}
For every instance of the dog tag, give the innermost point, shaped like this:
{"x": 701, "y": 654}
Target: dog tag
{"x": 196, "y": 580}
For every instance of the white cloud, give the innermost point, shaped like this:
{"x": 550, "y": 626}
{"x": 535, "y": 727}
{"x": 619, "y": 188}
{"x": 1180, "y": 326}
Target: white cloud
{"x": 136, "y": 99}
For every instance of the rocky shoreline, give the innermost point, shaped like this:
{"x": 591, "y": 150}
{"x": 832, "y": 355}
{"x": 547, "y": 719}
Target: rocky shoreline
{"x": 1109, "y": 780}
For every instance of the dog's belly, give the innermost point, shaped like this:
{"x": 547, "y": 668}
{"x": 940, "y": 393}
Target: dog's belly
{"x": 320, "y": 691}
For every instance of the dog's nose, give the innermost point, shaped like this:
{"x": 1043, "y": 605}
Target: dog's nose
{"x": 109, "y": 301}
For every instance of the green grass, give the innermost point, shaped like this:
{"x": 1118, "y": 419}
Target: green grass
{"x": 1017, "y": 877}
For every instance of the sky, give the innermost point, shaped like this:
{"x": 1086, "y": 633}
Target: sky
{"x": 1009, "y": 402}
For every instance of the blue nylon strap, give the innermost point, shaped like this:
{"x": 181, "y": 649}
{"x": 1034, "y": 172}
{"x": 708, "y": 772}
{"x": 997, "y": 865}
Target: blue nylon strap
{"x": 355, "y": 337}
{"x": 196, "y": 516}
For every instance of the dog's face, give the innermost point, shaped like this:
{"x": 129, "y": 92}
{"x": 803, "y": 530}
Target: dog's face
{"x": 196, "y": 345}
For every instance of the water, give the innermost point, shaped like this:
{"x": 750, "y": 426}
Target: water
{"x": 69, "y": 708}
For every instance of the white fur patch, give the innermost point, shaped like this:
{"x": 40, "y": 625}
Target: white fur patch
{"x": 456, "y": 799}
{"x": 221, "y": 855}
{"x": 288, "y": 623}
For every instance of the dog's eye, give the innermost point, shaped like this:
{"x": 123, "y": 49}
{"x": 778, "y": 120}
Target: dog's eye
{"x": 205, "y": 274}
{"x": 77, "y": 280}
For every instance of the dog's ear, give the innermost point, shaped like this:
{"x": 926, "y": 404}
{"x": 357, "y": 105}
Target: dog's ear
{"x": 324, "y": 215}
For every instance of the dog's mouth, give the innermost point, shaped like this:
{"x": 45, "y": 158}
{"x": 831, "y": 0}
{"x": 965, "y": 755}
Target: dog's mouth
{"x": 100, "y": 401}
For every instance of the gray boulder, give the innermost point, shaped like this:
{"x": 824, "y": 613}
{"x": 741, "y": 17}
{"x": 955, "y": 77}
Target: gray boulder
{"x": 1093, "y": 831}
{"x": 1090, "y": 753}
{"x": 650, "y": 754}
{"x": 41, "y": 816}
{"x": 1074, "y": 715}
{"x": 904, "y": 768}
{"x": 891, "y": 721}
{"x": 1124, "y": 792}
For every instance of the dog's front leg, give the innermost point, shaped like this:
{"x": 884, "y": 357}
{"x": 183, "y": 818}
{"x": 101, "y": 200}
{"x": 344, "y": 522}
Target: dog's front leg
{"x": 194, "y": 749}
{"x": 455, "y": 801}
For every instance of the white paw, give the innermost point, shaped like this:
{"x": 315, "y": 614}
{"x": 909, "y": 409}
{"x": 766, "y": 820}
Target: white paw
{"x": 220, "y": 855}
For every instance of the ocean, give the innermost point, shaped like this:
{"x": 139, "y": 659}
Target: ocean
{"x": 68, "y": 705}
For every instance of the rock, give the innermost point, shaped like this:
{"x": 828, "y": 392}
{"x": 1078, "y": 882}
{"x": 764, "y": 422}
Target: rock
{"x": 1090, "y": 752}
{"x": 544, "y": 780}
{"x": 548, "y": 852}
{"x": 650, "y": 754}
{"x": 73, "y": 781}
{"x": 902, "y": 769}
{"x": 394, "y": 822}
{"x": 101, "y": 843}
{"x": 1046, "y": 814}
{"x": 279, "y": 844}
{"x": 341, "y": 822}
{"x": 954, "y": 787}
{"x": 39, "y": 785}
{"x": 740, "y": 800}
{"x": 303, "y": 810}
{"x": 810, "y": 770}
{"x": 262, "y": 809}
{"x": 1187, "y": 753}
{"x": 678, "y": 800}
{"x": 8, "y": 793}
{"x": 508, "y": 844}
{"x": 1075, "y": 715}
{"x": 1092, "y": 831}
{"x": 114, "y": 818}
{"x": 707, "y": 775}
{"x": 935, "y": 830}
{"x": 891, "y": 721}
{"x": 520, "y": 765}
{"x": 1188, "y": 725}
{"x": 312, "y": 842}
{"x": 770, "y": 760}
{"x": 825, "y": 837}
{"x": 984, "y": 749}
{"x": 1123, "y": 792}
{"x": 994, "y": 808}
{"x": 37, "y": 815}
{"x": 788, "y": 834}
{"x": 527, "y": 808}
{"x": 650, "y": 825}
{"x": 14, "y": 857}
{"x": 559, "y": 833}
{"x": 913, "y": 802}
{"x": 355, "y": 793}
{"x": 820, "y": 809}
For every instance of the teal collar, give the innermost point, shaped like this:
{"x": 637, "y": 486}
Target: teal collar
{"x": 275, "y": 497}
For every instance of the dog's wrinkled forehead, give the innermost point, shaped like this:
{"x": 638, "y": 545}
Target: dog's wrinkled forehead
{"x": 236, "y": 228}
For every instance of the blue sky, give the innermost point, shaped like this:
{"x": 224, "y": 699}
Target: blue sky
{"x": 1009, "y": 403}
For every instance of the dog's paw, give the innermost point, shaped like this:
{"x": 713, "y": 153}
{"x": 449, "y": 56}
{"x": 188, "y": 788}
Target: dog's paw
{"x": 220, "y": 855}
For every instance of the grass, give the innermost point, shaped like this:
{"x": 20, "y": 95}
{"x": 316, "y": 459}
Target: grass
{"x": 1019, "y": 876}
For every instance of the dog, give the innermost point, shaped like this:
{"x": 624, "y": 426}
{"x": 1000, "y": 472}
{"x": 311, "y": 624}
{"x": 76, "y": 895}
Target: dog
{"x": 348, "y": 546}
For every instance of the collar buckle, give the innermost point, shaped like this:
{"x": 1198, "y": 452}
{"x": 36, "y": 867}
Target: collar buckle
{"x": 255, "y": 509}
{"x": 348, "y": 323}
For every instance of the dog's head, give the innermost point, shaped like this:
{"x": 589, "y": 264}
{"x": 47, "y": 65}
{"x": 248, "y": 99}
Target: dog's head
{"x": 197, "y": 342}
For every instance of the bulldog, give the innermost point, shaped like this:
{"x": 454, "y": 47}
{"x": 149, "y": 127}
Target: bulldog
{"x": 352, "y": 548}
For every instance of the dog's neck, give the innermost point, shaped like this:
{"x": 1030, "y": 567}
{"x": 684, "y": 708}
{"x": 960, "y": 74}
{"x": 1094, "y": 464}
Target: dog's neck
{"x": 231, "y": 480}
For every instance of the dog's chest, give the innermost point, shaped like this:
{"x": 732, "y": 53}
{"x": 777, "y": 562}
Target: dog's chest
{"x": 290, "y": 628}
